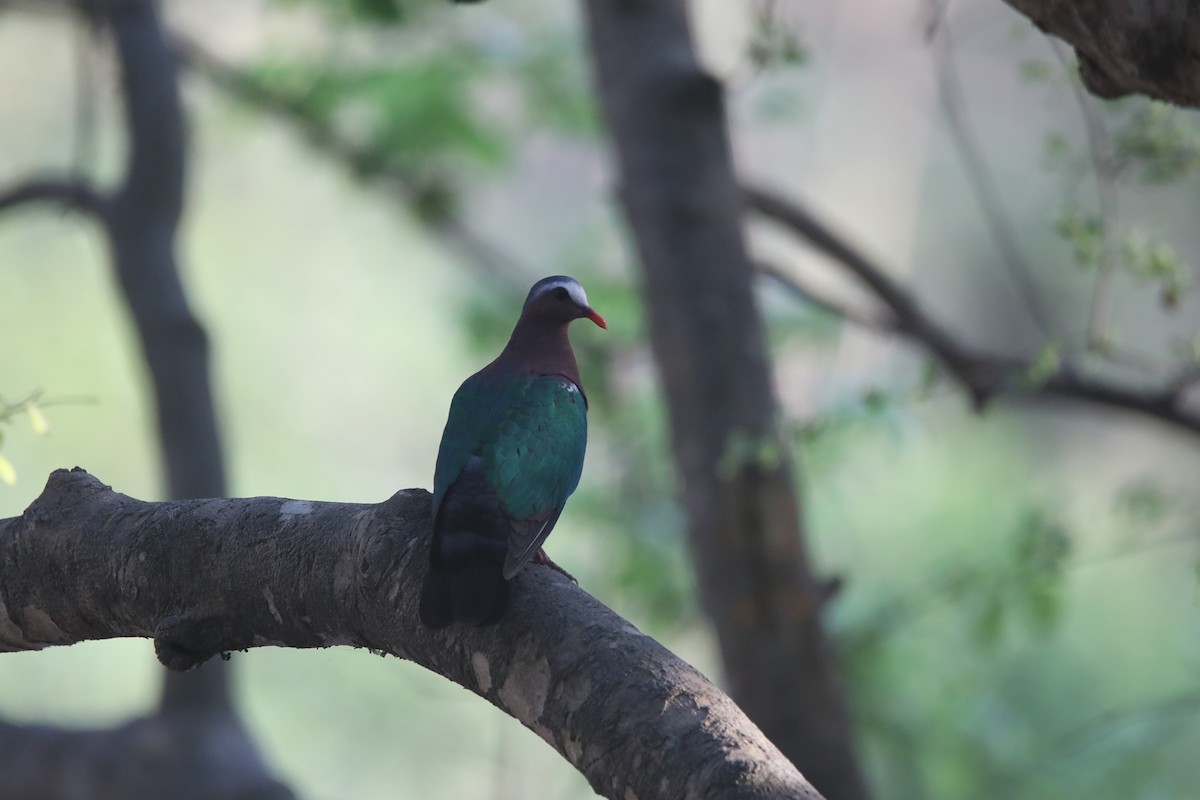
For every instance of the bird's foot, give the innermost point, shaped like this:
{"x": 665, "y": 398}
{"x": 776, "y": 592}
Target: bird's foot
{"x": 540, "y": 557}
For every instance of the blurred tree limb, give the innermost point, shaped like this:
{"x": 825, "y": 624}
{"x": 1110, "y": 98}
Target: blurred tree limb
{"x": 981, "y": 375}
{"x": 70, "y": 193}
{"x": 1149, "y": 47}
{"x": 140, "y": 217}
{"x": 84, "y": 562}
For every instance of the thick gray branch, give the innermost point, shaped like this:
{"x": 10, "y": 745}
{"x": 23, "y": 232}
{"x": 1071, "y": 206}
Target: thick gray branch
{"x": 1149, "y": 47}
{"x": 204, "y": 577}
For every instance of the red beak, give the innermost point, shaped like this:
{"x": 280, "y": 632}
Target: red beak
{"x": 596, "y": 318}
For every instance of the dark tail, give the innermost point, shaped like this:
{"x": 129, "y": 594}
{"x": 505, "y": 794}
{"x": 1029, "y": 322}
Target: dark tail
{"x": 465, "y": 582}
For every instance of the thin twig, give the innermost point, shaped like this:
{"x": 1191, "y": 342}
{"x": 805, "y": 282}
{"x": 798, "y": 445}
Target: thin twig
{"x": 911, "y": 320}
{"x": 1106, "y": 194}
{"x": 806, "y": 294}
{"x": 979, "y": 173}
{"x": 983, "y": 376}
{"x": 69, "y": 193}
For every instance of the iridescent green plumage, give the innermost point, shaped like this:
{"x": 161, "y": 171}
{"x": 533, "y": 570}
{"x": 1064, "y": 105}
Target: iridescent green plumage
{"x": 511, "y": 454}
{"x": 531, "y": 433}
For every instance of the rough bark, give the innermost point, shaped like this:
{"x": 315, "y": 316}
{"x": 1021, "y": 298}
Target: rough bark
{"x": 667, "y": 120}
{"x": 142, "y": 221}
{"x": 1149, "y": 47}
{"x": 84, "y": 562}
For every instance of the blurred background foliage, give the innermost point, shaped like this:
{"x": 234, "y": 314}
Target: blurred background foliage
{"x": 374, "y": 185}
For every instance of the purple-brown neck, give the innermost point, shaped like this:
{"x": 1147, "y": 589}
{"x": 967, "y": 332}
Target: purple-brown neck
{"x": 538, "y": 346}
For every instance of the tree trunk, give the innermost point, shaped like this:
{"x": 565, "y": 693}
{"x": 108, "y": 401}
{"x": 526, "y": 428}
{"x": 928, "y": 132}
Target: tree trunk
{"x": 143, "y": 218}
{"x": 667, "y": 120}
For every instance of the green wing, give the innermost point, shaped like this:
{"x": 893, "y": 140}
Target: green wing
{"x": 530, "y": 432}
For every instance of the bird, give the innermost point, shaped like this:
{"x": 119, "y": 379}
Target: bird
{"x": 510, "y": 456}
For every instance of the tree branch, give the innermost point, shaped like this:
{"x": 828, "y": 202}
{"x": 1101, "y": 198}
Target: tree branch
{"x": 983, "y": 376}
{"x": 1123, "y": 47}
{"x": 910, "y": 320}
{"x": 84, "y": 562}
{"x": 68, "y": 193}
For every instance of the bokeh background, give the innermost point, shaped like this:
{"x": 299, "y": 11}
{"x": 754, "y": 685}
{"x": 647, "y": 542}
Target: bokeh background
{"x": 1020, "y": 606}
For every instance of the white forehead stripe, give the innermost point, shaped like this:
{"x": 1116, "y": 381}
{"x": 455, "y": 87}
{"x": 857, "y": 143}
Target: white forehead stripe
{"x": 573, "y": 288}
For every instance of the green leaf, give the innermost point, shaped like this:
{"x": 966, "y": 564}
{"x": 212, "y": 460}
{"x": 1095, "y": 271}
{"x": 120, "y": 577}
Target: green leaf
{"x": 989, "y": 624}
{"x": 1160, "y": 140}
{"x": 1057, "y": 147}
{"x": 7, "y": 473}
{"x": 1043, "y": 603}
{"x": 1085, "y": 234}
{"x": 378, "y": 11}
{"x": 1044, "y": 366}
{"x": 1143, "y": 501}
{"x": 1042, "y": 544}
{"x": 37, "y": 420}
{"x": 876, "y": 401}
{"x": 1040, "y": 553}
{"x": 775, "y": 45}
{"x": 930, "y": 375}
{"x": 1158, "y": 263}
{"x": 1037, "y": 72}
{"x": 743, "y": 450}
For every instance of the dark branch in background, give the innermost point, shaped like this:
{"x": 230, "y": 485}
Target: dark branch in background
{"x": 142, "y": 224}
{"x": 1097, "y": 340}
{"x": 486, "y": 258}
{"x": 71, "y": 194}
{"x": 85, "y": 562}
{"x": 909, "y": 319}
{"x": 144, "y": 212}
{"x": 139, "y": 218}
{"x": 981, "y": 375}
{"x": 667, "y": 123}
{"x": 1123, "y": 47}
